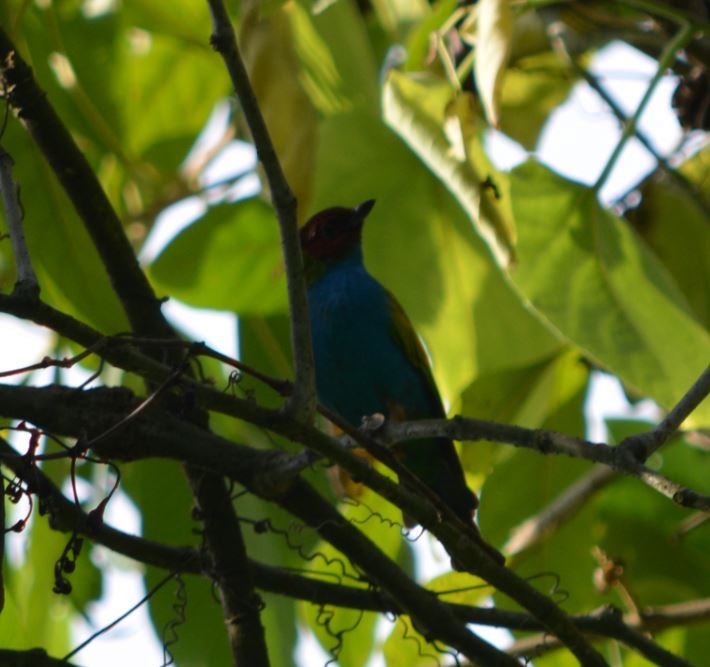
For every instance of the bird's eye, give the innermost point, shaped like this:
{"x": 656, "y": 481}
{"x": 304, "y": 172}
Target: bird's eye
{"x": 328, "y": 232}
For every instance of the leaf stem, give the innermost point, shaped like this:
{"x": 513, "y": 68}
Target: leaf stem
{"x": 681, "y": 39}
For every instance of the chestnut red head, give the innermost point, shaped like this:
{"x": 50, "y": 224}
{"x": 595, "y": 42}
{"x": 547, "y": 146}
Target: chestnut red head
{"x": 333, "y": 232}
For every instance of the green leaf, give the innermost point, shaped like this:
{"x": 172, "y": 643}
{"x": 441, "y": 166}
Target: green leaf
{"x": 339, "y": 68}
{"x": 675, "y": 226}
{"x": 43, "y": 618}
{"x": 230, "y": 259}
{"x": 268, "y": 46}
{"x": 494, "y": 35}
{"x": 419, "y": 41}
{"x": 345, "y": 633}
{"x": 585, "y": 271}
{"x": 179, "y": 82}
{"x": 421, "y": 109}
{"x": 70, "y": 273}
{"x": 534, "y": 86}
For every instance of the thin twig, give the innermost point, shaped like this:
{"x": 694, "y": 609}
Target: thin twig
{"x": 684, "y": 35}
{"x": 559, "y": 511}
{"x": 678, "y": 178}
{"x": 26, "y": 278}
{"x": 123, "y": 616}
{"x": 641, "y": 446}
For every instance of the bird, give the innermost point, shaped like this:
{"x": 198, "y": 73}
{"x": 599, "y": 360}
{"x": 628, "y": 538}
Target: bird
{"x": 368, "y": 358}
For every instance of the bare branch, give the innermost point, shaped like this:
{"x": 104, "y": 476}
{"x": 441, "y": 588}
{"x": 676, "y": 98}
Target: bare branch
{"x": 302, "y": 402}
{"x": 643, "y": 445}
{"x": 26, "y": 279}
{"x": 559, "y": 511}
{"x": 67, "y": 516}
{"x": 628, "y": 630}
{"x": 35, "y": 657}
{"x": 160, "y": 434}
{"x": 551, "y": 442}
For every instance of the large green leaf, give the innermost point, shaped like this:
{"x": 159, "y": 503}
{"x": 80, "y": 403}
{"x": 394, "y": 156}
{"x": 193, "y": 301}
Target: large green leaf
{"x": 339, "y": 68}
{"x": 586, "y": 272}
{"x": 527, "y": 396}
{"x": 229, "y": 259}
{"x": 179, "y": 82}
{"x": 268, "y": 44}
{"x": 440, "y": 128}
{"x": 664, "y": 206}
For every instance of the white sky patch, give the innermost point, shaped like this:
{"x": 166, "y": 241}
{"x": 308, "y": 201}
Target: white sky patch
{"x": 217, "y": 328}
{"x": 582, "y": 133}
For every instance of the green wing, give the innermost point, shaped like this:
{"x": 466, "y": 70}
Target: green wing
{"x": 404, "y": 334}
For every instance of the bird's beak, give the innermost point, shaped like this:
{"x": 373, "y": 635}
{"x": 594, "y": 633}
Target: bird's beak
{"x": 364, "y": 209}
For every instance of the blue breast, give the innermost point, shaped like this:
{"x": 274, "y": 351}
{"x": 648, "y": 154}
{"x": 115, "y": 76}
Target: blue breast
{"x": 360, "y": 368}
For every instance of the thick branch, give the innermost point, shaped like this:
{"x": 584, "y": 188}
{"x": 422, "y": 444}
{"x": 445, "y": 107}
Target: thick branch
{"x": 160, "y": 435}
{"x": 302, "y": 401}
{"x": 80, "y": 183}
{"x": 34, "y": 657}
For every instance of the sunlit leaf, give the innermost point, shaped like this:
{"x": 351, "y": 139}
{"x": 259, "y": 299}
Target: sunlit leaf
{"x": 533, "y": 87}
{"x": 229, "y": 259}
{"x": 415, "y": 107}
{"x": 268, "y": 49}
{"x": 587, "y": 273}
{"x": 493, "y": 42}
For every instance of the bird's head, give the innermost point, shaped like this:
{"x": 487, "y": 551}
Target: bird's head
{"x": 334, "y": 232}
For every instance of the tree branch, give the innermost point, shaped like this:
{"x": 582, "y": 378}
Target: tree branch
{"x": 222, "y": 532}
{"x": 34, "y": 657}
{"x": 549, "y": 442}
{"x": 152, "y": 434}
{"x": 641, "y": 446}
{"x": 157, "y": 434}
{"x": 81, "y": 185}
{"x": 27, "y": 283}
{"x": 302, "y": 402}
{"x": 534, "y": 529}
{"x": 66, "y": 516}
{"x": 609, "y": 623}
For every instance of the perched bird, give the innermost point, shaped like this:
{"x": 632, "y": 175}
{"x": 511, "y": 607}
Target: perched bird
{"x": 368, "y": 357}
